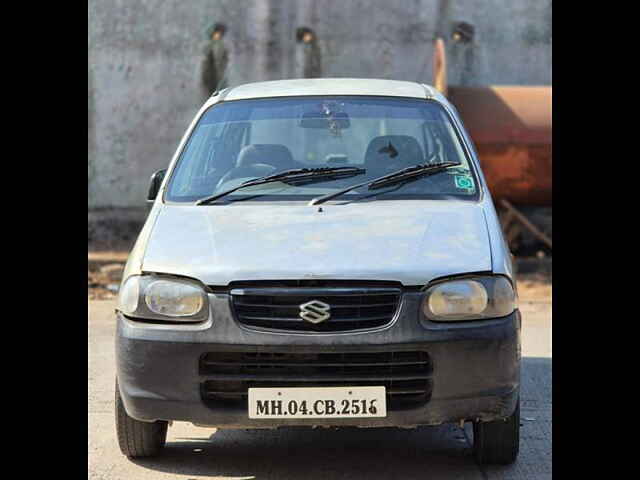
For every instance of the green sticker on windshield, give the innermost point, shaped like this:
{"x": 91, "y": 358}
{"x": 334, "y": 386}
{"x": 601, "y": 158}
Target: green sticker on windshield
{"x": 464, "y": 181}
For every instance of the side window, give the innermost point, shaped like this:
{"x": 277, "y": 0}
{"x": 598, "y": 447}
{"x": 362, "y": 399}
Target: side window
{"x": 430, "y": 147}
{"x": 205, "y": 151}
{"x": 235, "y": 136}
{"x": 440, "y": 135}
{"x": 448, "y": 149}
{"x": 201, "y": 148}
{"x": 246, "y": 136}
{"x": 209, "y": 153}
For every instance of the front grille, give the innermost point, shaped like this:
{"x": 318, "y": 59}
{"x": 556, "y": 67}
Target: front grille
{"x": 351, "y": 307}
{"x": 407, "y": 375}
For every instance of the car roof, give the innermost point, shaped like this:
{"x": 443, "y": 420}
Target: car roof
{"x": 327, "y": 86}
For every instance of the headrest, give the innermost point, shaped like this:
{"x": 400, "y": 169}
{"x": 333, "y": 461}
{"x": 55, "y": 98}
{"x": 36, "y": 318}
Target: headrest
{"x": 402, "y": 150}
{"x": 278, "y": 156}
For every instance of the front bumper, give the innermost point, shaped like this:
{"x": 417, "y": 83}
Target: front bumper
{"x": 476, "y": 366}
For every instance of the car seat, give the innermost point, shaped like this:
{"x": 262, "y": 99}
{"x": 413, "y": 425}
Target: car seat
{"x": 388, "y": 153}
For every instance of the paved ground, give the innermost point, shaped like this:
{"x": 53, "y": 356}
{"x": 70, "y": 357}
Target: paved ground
{"x": 438, "y": 452}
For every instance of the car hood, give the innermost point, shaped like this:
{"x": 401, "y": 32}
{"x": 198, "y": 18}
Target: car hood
{"x": 408, "y": 241}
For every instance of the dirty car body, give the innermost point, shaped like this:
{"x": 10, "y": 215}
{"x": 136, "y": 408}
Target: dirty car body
{"x": 294, "y": 299}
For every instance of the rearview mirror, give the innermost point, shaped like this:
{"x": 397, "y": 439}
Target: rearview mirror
{"x": 154, "y": 185}
{"x": 320, "y": 119}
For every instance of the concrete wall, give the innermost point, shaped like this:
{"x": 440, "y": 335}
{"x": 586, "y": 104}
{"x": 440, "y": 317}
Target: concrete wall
{"x": 144, "y": 58}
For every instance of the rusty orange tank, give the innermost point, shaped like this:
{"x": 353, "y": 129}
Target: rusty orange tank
{"x": 511, "y": 128}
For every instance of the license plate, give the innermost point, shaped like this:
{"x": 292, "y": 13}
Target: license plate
{"x": 317, "y": 402}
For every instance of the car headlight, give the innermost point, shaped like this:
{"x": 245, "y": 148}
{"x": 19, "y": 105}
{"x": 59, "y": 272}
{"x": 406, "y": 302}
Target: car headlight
{"x": 154, "y": 297}
{"x": 473, "y": 298}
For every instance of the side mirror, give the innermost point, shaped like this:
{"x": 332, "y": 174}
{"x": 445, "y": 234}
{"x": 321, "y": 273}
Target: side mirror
{"x": 154, "y": 186}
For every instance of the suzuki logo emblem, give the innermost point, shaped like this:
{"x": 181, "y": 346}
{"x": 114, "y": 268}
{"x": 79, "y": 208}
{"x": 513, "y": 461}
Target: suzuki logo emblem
{"x": 315, "y": 311}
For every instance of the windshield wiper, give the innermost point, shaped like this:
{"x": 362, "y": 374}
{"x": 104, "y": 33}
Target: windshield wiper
{"x": 404, "y": 175}
{"x": 410, "y": 172}
{"x": 297, "y": 175}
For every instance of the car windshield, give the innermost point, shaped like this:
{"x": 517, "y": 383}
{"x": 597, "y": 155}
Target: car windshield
{"x": 242, "y": 140}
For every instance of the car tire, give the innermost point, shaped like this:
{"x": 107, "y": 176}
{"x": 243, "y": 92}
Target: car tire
{"x": 135, "y": 438}
{"x": 497, "y": 442}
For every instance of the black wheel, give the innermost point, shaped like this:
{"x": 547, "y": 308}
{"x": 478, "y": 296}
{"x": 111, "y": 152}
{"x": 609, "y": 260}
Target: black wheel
{"x": 136, "y": 438}
{"x": 498, "y": 441}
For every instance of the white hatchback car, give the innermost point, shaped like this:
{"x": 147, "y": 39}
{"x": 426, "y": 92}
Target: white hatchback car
{"x": 320, "y": 252}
